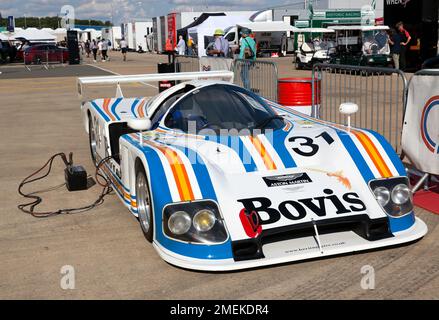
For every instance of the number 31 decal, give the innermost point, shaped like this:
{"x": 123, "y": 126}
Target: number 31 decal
{"x": 307, "y": 146}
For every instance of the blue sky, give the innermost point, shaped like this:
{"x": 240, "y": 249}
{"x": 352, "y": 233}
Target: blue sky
{"x": 128, "y": 9}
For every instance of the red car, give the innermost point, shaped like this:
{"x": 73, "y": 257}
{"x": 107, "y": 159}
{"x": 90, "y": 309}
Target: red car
{"x": 45, "y": 53}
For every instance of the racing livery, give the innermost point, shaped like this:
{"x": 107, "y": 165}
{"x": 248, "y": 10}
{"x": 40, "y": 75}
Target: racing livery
{"x": 222, "y": 179}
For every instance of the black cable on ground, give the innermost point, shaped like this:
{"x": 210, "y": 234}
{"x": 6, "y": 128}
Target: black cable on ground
{"x": 29, "y": 207}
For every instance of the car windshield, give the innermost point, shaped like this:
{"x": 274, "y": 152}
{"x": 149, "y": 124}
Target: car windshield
{"x": 222, "y": 107}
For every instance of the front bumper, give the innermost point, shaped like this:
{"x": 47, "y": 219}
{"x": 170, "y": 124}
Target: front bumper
{"x": 298, "y": 249}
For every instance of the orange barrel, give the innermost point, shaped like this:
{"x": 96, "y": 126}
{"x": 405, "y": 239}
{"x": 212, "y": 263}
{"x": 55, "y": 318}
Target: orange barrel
{"x": 297, "y": 93}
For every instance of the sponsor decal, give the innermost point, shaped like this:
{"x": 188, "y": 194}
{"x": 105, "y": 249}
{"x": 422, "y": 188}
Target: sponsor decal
{"x": 299, "y": 209}
{"x": 251, "y": 223}
{"x": 312, "y": 248}
{"x": 397, "y": 2}
{"x": 338, "y": 175}
{"x": 287, "y": 179}
{"x": 427, "y": 136}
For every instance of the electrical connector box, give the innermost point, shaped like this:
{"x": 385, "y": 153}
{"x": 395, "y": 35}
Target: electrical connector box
{"x": 76, "y": 178}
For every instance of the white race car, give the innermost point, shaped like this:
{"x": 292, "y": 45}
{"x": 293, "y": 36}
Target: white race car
{"x": 222, "y": 179}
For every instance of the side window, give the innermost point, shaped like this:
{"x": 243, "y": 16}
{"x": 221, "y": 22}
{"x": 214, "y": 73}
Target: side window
{"x": 166, "y": 104}
{"x": 230, "y": 36}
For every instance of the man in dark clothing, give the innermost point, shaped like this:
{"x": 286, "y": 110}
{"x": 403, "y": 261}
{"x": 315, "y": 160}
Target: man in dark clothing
{"x": 405, "y": 39}
{"x": 395, "y": 47}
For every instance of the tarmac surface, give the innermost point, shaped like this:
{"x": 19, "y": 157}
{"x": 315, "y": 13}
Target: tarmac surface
{"x": 111, "y": 258}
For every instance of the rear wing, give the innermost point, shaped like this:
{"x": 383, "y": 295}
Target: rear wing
{"x": 155, "y": 77}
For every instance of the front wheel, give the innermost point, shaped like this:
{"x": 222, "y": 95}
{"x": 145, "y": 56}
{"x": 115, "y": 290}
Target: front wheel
{"x": 144, "y": 207}
{"x": 92, "y": 140}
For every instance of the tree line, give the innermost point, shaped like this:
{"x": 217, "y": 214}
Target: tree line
{"x": 50, "y": 22}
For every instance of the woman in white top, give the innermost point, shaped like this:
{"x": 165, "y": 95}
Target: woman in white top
{"x": 181, "y": 46}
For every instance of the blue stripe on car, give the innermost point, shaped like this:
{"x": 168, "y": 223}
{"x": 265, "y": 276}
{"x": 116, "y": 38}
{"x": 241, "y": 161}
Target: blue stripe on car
{"x": 99, "y": 110}
{"x": 133, "y": 106}
{"x": 277, "y": 139}
{"x": 113, "y": 107}
{"x": 236, "y": 144}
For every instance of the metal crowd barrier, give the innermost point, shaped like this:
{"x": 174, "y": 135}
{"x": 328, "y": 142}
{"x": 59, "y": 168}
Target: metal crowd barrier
{"x": 261, "y": 77}
{"x": 44, "y": 59}
{"x": 379, "y": 92}
{"x": 187, "y": 64}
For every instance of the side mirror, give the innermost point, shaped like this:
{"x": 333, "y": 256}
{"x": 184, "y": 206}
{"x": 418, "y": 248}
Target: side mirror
{"x": 348, "y": 108}
{"x": 140, "y": 124}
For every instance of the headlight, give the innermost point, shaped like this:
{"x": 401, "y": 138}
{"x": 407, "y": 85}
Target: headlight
{"x": 401, "y": 194}
{"x": 195, "y": 222}
{"x": 382, "y": 194}
{"x": 393, "y": 195}
{"x": 204, "y": 220}
{"x": 371, "y": 60}
{"x": 179, "y": 223}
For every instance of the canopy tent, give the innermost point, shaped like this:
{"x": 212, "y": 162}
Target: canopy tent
{"x": 203, "y": 17}
{"x": 34, "y": 34}
{"x": 208, "y": 27}
{"x": 269, "y": 26}
{"x": 49, "y": 30}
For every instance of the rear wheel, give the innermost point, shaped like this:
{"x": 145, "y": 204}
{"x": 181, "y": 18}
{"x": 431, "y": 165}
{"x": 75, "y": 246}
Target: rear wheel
{"x": 92, "y": 140}
{"x": 144, "y": 207}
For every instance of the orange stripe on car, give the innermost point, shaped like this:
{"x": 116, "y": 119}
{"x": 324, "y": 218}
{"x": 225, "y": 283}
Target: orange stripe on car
{"x": 107, "y": 110}
{"x": 179, "y": 171}
{"x": 373, "y": 153}
{"x": 268, "y": 161}
{"x": 140, "y": 110}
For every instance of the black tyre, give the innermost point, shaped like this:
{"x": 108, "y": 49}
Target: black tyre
{"x": 92, "y": 138}
{"x": 144, "y": 206}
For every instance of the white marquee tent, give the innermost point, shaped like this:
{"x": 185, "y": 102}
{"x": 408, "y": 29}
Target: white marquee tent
{"x": 34, "y": 34}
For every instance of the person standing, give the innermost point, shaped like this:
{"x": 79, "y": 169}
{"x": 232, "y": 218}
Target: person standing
{"x": 104, "y": 50}
{"x": 181, "y": 46}
{"x": 405, "y": 40}
{"x": 87, "y": 48}
{"x": 124, "y": 48}
{"x": 247, "y": 52}
{"x": 100, "y": 49}
{"x": 94, "y": 49}
{"x": 169, "y": 50}
{"x": 190, "y": 46}
{"x": 395, "y": 47}
{"x": 221, "y": 45}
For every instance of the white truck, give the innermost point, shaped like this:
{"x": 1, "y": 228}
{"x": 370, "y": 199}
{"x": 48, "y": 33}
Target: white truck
{"x": 270, "y": 36}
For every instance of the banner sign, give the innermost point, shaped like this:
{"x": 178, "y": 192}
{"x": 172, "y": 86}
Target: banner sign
{"x": 420, "y": 135}
{"x": 342, "y": 14}
{"x": 11, "y": 24}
